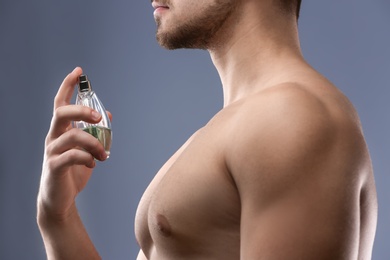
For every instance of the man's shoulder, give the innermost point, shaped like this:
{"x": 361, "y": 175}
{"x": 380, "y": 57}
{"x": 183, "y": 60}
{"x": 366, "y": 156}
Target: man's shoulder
{"x": 288, "y": 106}
{"x": 293, "y": 126}
{"x": 298, "y": 159}
{"x": 292, "y": 95}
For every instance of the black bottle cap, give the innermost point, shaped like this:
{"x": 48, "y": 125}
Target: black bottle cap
{"x": 84, "y": 84}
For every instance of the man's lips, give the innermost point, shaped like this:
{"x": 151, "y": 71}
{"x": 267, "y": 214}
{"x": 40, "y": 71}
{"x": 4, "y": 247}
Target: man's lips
{"x": 159, "y": 9}
{"x": 157, "y": 6}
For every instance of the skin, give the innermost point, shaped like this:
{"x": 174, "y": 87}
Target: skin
{"x": 65, "y": 172}
{"x": 281, "y": 172}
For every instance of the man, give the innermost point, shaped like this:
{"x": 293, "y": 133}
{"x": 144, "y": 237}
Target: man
{"x": 281, "y": 172}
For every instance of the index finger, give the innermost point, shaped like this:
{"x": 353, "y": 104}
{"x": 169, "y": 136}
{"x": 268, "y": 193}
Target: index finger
{"x": 65, "y": 92}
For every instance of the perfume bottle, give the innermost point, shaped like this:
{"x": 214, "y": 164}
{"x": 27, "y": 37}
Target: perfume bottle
{"x": 102, "y": 130}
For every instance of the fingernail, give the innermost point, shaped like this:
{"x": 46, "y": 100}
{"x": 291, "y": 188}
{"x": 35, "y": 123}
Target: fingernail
{"x": 95, "y": 115}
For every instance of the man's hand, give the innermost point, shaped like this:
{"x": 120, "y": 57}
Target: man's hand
{"x": 67, "y": 166}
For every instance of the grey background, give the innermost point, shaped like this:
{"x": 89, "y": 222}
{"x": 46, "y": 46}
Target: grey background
{"x": 158, "y": 98}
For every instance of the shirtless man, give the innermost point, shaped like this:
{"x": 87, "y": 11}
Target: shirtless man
{"x": 281, "y": 172}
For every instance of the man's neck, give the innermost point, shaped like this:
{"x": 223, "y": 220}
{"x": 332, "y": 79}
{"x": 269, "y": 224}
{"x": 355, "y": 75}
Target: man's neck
{"x": 257, "y": 49}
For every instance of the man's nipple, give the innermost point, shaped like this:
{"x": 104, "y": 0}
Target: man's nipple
{"x": 162, "y": 226}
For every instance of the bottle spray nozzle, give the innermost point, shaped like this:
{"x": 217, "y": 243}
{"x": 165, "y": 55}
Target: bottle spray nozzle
{"x": 84, "y": 83}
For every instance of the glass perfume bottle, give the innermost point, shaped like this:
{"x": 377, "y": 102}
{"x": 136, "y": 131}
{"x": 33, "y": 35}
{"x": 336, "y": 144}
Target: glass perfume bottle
{"x": 102, "y": 130}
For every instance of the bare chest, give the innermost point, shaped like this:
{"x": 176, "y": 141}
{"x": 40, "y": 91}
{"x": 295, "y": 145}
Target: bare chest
{"x": 192, "y": 206}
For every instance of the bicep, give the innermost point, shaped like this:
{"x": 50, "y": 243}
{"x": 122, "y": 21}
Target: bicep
{"x": 299, "y": 225}
{"x": 296, "y": 204}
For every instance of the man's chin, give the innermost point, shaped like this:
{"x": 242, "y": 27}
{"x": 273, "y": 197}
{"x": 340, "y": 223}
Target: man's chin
{"x": 166, "y": 42}
{"x": 172, "y": 42}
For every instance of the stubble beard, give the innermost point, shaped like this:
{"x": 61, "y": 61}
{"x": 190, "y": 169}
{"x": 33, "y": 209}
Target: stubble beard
{"x": 198, "y": 32}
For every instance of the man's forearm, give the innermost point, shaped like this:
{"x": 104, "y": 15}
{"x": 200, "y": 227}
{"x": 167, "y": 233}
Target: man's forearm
{"x": 66, "y": 239}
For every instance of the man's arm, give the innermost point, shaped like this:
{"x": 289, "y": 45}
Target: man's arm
{"x": 66, "y": 238}
{"x": 296, "y": 168}
{"x": 67, "y": 167}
